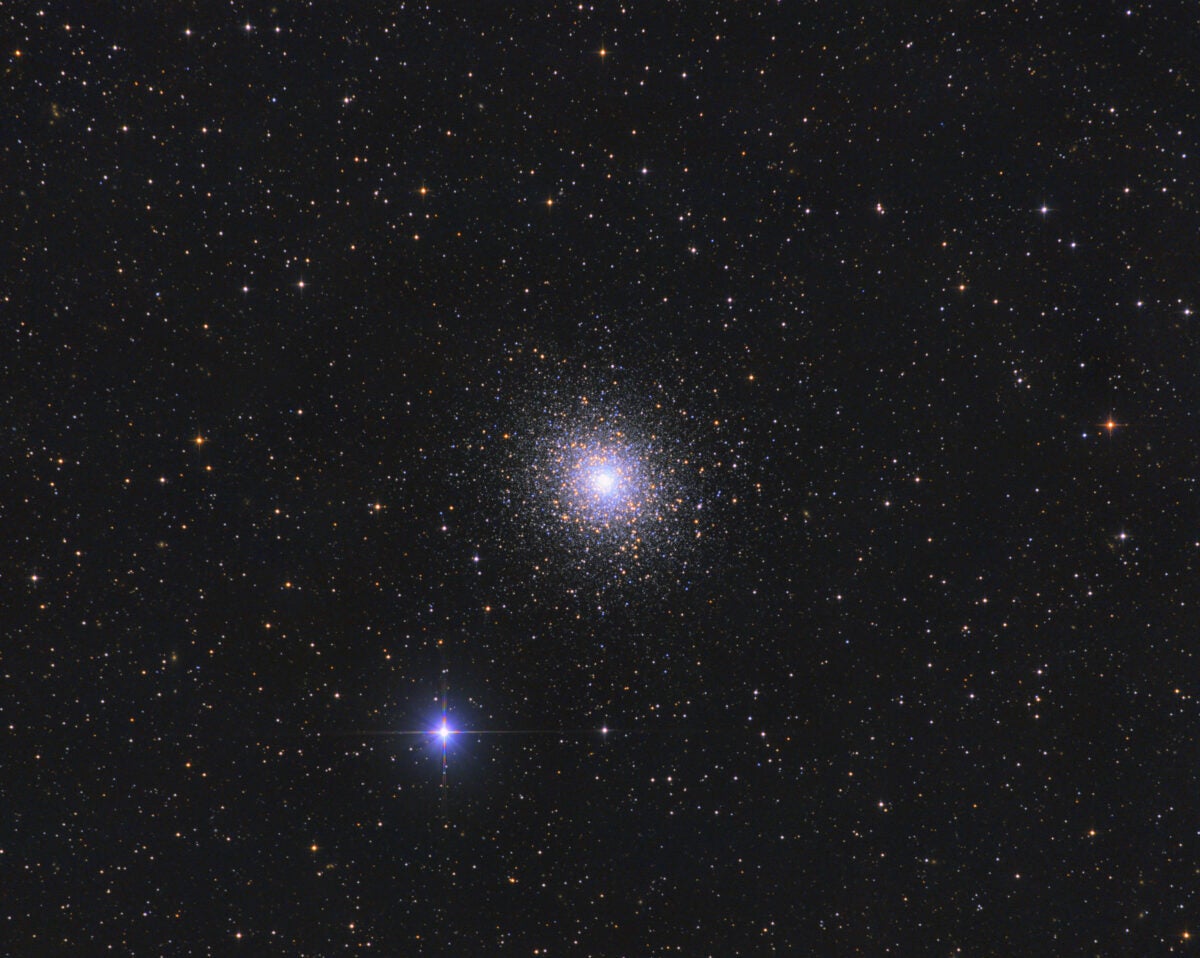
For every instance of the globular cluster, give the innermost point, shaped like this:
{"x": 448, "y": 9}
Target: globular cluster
{"x": 600, "y": 485}
{"x": 596, "y": 481}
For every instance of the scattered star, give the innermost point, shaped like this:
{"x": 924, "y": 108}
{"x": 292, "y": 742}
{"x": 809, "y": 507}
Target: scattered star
{"x": 639, "y": 380}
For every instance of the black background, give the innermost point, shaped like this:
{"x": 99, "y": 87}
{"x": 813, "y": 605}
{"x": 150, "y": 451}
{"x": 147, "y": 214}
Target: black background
{"x": 914, "y": 284}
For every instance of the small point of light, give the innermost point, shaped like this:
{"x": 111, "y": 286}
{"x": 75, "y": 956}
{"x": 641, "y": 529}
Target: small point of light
{"x": 604, "y": 730}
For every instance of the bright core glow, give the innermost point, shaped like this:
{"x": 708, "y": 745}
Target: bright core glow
{"x": 604, "y": 481}
{"x": 444, "y": 731}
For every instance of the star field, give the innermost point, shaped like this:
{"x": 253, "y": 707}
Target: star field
{"x": 600, "y": 480}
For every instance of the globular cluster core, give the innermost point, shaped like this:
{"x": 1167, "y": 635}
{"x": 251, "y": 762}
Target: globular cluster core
{"x": 602, "y": 481}
{"x": 599, "y": 487}
{"x": 603, "y": 486}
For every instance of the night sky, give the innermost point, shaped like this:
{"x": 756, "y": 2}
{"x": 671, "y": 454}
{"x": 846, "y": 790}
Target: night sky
{"x": 765, "y": 434}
